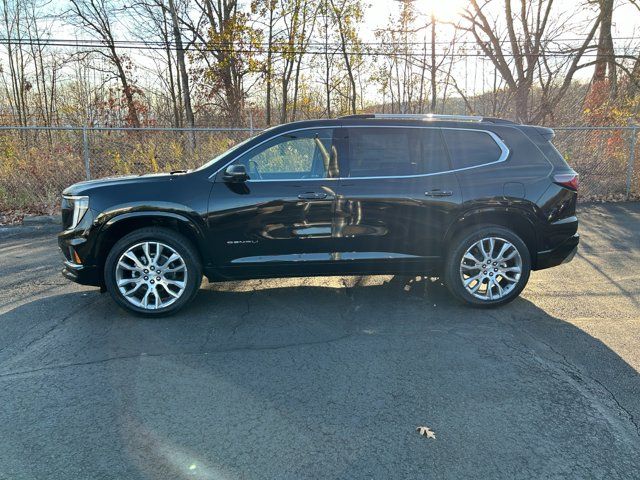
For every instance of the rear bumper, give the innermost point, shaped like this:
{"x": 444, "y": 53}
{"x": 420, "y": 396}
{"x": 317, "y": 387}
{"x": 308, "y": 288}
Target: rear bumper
{"x": 563, "y": 253}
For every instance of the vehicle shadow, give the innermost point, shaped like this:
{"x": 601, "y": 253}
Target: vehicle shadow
{"x": 312, "y": 378}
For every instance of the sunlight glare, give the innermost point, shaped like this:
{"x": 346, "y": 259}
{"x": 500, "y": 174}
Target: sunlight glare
{"x": 444, "y": 10}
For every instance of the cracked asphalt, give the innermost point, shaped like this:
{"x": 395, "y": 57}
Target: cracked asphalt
{"x": 326, "y": 377}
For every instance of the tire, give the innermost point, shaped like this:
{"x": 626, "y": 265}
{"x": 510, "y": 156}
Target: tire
{"x": 150, "y": 251}
{"x": 491, "y": 291}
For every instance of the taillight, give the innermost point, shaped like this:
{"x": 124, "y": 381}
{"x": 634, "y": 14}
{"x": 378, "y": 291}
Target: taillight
{"x": 567, "y": 180}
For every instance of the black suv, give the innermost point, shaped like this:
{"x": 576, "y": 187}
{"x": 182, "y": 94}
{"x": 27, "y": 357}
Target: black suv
{"x": 478, "y": 201}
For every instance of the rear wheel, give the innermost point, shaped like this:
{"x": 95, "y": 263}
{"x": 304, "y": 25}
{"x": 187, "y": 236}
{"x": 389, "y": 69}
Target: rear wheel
{"x": 487, "y": 267}
{"x": 153, "y": 271}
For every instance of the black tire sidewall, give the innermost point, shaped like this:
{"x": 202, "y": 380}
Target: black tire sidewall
{"x": 176, "y": 241}
{"x": 454, "y": 257}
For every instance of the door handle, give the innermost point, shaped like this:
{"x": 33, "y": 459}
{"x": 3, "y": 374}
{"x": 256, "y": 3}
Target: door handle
{"x": 312, "y": 196}
{"x": 438, "y": 193}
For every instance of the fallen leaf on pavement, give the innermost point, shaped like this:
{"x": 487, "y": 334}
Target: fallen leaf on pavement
{"x": 426, "y": 432}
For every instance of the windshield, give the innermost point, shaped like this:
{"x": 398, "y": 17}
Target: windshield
{"x": 224, "y": 154}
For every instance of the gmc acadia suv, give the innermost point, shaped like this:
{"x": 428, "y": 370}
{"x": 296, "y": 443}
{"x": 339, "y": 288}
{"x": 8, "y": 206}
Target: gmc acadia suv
{"x": 477, "y": 201}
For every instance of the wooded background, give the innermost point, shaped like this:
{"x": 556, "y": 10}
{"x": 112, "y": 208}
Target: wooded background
{"x": 251, "y": 64}
{"x": 186, "y": 63}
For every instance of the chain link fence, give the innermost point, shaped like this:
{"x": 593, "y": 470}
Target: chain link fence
{"x": 605, "y": 158}
{"x": 37, "y": 163}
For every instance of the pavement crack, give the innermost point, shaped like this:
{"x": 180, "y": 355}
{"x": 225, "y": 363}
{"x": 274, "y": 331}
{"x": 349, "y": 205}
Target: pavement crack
{"x": 582, "y": 375}
{"x": 575, "y": 375}
{"x": 244, "y": 348}
{"x": 48, "y": 331}
{"x": 243, "y": 317}
{"x": 620, "y": 406}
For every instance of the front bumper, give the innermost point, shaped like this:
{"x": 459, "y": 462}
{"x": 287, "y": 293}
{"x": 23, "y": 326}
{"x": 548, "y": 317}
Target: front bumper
{"x": 563, "y": 253}
{"x": 77, "y": 265}
{"x": 82, "y": 274}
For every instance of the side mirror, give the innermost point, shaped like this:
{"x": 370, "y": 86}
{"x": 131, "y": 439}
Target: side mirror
{"x": 235, "y": 174}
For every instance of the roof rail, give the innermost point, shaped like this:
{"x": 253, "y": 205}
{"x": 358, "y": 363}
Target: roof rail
{"x": 429, "y": 116}
{"x": 498, "y": 120}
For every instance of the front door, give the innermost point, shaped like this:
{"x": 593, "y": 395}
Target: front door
{"x": 282, "y": 215}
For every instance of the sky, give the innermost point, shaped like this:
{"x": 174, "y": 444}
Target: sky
{"x": 626, "y": 25}
{"x": 626, "y": 16}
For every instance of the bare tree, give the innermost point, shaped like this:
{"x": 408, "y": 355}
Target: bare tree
{"x": 347, "y": 14}
{"x": 182, "y": 67}
{"x": 226, "y": 45}
{"x": 605, "y": 63}
{"x": 298, "y": 22}
{"x": 96, "y": 17}
{"x": 17, "y": 85}
{"x": 518, "y": 54}
{"x": 150, "y": 22}
{"x": 46, "y": 65}
{"x": 309, "y": 16}
{"x": 268, "y": 9}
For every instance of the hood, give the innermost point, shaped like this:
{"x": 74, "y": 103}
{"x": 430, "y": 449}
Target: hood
{"x": 89, "y": 186}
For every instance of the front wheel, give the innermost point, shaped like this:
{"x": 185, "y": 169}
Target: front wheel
{"x": 487, "y": 267}
{"x": 153, "y": 271}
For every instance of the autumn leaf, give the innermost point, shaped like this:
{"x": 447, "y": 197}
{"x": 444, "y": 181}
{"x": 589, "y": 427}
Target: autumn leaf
{"x": 426, "y": 432}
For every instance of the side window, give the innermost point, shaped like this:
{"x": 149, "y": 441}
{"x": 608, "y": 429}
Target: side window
{"x": 293, "y": 156}
{"x": 434, "y": 152}
{"x": 379, "y": 151}
{"x": 470, "y": 149}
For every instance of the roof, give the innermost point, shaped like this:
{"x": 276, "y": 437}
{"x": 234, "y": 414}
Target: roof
{"x": 426, "y": 117}
{"x": 376, "y": 119}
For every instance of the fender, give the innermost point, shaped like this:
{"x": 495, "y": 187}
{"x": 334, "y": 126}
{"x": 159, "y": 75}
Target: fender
{"x": 110, "y": 220}
{"x": 189, "y": 222}
{"x": 520, "y": 216}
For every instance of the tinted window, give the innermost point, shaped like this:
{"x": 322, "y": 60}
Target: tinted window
{"x": 552, "y": 153}
{"x": 378, "y": 151}
{"x": 305, "y": 154}
{"x": 469, "y": 149}
{"x": 434, "y": 154}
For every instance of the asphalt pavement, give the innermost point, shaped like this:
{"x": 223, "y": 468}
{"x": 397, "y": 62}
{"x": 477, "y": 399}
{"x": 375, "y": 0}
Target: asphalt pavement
{"x": 326, "y": 377}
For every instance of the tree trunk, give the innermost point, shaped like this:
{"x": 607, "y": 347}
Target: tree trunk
{"x": 177, "y": 112}
{"x": 134, "y": 119}
{"x": 605, "y": 63}
{"x": 327, "y": 71}
{"x": 434, "y": 85}
{"x": 184, "y": 76}
{"x": 345, "y": 55}
{"x": 269, "y": 62}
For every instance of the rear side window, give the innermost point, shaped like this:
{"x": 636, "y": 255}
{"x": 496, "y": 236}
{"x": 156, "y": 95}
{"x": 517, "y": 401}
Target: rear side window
{"x": 552, "y": 153}
{"x": 379, "y": 152}
{"x": 468, "y": 148}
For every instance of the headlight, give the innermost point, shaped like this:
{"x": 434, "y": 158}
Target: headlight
{"x": 80, "y": 207}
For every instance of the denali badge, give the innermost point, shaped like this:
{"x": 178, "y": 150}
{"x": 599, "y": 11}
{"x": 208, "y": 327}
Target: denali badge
{"x": 240, "y": 242}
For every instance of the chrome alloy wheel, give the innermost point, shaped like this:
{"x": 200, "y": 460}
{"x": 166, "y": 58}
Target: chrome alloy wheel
{"x": 151, "y": 275}
{"x": 491, "y": 268}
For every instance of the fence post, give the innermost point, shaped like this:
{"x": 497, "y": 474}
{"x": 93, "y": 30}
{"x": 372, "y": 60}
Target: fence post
{"x": 632, "y": 158}
{"x": 85, "y": 152}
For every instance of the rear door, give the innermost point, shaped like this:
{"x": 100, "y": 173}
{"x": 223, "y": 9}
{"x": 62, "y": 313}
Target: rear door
{"x": 398, "y": 195}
